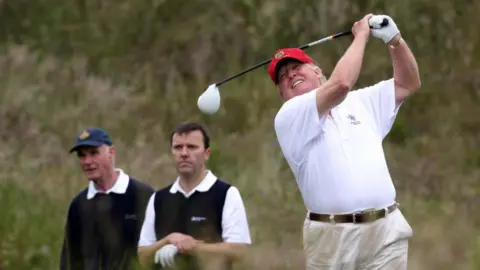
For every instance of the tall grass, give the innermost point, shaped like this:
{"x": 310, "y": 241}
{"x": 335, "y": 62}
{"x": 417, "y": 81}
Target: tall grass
{"x": 137, "y": 68}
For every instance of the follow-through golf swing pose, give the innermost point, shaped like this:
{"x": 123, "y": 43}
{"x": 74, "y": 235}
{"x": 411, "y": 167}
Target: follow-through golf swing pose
{"x": 209, "y": 101}
{"x": 332, "y": 139}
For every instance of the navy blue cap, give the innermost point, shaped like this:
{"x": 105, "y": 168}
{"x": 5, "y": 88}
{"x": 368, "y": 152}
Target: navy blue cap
{"x": 92, "y": 137}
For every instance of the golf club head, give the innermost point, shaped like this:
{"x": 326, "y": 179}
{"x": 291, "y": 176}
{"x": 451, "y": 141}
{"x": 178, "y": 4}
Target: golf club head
{"x": 209, "y": 101}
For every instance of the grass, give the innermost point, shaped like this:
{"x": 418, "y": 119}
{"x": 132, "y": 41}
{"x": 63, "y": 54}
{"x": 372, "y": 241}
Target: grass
{"x": 46, "y": 101}
{"x": 83, "y": 64}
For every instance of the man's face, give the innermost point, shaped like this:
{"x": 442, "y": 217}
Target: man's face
{"x": 96, "y": 162}
{"x": 189, "y": 152}
{"x": 296, "y": 78}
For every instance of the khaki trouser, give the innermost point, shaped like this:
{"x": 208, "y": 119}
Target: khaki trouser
{"x": 382, "y": 244}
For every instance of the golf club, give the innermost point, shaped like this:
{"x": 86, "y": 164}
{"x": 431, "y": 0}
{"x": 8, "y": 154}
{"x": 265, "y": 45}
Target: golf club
{"x": 209, "y": 101}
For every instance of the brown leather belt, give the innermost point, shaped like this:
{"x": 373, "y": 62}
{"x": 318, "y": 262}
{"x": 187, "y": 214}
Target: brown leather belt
{"x": 360, "y": 217}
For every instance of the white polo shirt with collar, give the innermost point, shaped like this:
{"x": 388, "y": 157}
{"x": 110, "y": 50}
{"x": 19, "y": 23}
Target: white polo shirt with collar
{"x": 120, "y": 186}
{"x": 234, "y": 218}
{"x": 338, "y": 159}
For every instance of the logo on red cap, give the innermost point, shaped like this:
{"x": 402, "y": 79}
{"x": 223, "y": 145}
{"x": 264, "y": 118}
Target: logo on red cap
{"x": 287, "y": 53}
{"x": 279, "y": 54}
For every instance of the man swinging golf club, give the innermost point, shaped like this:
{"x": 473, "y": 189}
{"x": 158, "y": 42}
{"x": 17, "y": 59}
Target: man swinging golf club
{"x": 332, "y": 139}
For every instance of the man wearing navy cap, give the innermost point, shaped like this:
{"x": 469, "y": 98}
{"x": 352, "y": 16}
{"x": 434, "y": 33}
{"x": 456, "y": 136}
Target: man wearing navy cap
{"x": 104, "y": 220}
{"x": 332, "y": 140}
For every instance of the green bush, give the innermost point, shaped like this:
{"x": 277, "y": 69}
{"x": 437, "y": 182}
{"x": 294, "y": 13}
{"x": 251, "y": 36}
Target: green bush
{"x": 137, "y": 68}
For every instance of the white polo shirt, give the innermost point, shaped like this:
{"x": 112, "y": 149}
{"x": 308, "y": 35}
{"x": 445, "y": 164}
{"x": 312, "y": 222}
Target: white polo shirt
{"x": 338, "y": 159}
{"x": 120, "y": 186}
{"x": 234, "y": 218}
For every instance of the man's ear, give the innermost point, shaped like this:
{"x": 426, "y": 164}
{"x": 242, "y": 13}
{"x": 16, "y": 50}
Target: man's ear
{"x": 207, "y": 153}
{"x": 317, "y": 69}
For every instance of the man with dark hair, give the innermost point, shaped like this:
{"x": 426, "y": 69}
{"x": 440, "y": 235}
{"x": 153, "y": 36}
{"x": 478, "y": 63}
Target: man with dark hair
{"x": 104, "y": 220}
{"x": 199, "y": 217}
{"x": 189, "y": 127}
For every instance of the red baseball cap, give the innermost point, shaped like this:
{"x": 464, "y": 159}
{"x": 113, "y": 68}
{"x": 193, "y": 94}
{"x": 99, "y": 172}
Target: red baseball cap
{"x": 286, "y": 53}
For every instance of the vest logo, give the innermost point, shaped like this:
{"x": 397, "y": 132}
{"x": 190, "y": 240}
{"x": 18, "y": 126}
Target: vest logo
{"x": 198, "y": 219}
{"x": 131, "y": 216}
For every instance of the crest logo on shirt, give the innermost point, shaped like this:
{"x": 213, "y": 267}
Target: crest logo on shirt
{"x": 353, "y": 119}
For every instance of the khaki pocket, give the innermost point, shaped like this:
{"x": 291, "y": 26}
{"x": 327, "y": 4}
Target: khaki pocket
{"x": 322, "y": 242}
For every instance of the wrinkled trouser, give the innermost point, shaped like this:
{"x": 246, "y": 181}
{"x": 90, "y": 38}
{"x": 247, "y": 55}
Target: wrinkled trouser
{"x": 382, "y": 244}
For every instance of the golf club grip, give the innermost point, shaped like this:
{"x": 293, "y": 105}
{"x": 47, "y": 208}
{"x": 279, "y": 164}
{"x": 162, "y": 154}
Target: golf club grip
{"x": 337, "y": 35}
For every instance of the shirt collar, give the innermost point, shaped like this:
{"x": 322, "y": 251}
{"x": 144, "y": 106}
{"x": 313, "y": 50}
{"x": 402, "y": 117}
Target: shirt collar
{"x": 204, "y": 185}
{"x": 120, "y": 186}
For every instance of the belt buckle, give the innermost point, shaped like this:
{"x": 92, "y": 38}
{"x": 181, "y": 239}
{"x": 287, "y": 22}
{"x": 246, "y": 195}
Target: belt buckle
{"x": 372, "y": 216}
{"x": 369, "y": 215}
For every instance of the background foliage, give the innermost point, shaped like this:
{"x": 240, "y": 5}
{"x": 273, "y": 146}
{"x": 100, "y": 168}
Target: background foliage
{"x": 137, "y": 67}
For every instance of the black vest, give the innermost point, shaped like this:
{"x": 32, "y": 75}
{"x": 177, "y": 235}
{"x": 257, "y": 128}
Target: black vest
{"x": 199, "y": 216}
{"x": 102, "y": 233}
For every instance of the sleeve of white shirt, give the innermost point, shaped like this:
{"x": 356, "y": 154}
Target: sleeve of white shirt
{"x": 147, "y": 234}
{"x": 234, "y": 219}
{"x": 380, "y": 102}
{"x": 297, "y": 124}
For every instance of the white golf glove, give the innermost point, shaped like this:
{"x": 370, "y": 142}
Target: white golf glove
{"x": 166, "y": 255}
{"x": 385, "y": 33}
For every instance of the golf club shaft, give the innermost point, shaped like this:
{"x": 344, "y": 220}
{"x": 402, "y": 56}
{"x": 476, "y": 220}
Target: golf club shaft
{"x": 306, "y": 46}
{"x": 337, "y": 35}
{"x": 334, "y": 36}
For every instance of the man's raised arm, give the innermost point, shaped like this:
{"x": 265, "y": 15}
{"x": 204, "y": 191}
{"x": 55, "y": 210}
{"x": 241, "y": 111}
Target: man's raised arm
{"x": 405, "y": 68}
{"x": 346, "y": 72}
